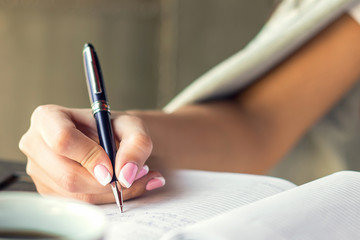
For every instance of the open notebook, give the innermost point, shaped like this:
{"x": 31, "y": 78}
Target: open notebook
{"x": 213, "y": 205}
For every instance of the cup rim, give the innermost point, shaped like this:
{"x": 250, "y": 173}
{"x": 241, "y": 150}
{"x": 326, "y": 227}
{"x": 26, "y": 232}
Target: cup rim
{"x": 68, "y": 218}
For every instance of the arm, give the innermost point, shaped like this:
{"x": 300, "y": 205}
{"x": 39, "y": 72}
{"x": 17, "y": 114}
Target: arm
{"x": 253, "y": 131}
{"x": 249, "y": 133}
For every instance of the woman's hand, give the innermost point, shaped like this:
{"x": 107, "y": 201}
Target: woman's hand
{"x": 65, "y": 158}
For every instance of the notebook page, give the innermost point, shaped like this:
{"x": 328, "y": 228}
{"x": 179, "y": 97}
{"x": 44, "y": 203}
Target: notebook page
{"x": 188, "y": 197}
{"x": 328, "y": 208}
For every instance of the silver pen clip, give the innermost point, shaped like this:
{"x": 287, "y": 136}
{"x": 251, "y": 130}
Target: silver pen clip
{"x": 92, "y": 73}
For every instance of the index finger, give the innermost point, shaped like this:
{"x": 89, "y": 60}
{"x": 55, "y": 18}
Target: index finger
{"x": 58, "y": 127}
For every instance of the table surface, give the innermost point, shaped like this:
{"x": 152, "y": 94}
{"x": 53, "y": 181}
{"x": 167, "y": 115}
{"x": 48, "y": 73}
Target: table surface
{"x": 14, "y": 178}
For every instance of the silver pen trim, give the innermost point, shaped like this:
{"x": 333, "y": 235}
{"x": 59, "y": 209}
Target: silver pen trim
{"x": 117, "y": 194}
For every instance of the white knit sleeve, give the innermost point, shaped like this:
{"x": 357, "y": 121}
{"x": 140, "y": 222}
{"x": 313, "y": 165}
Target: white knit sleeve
{"x": 355, "y": 12}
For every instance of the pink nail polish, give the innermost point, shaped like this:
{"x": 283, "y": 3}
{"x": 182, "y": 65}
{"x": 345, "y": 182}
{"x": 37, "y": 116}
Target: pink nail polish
{"x": 127, "y": 174}
{"x": 142, "y": 172}
{"x": 102, "y": 174}
{"x": 154, "y": 183}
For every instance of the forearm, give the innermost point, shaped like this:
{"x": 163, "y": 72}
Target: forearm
{"x": 212, "y": 136}
{"x": 254, "y": 131}
{"x": 296, "y": 94}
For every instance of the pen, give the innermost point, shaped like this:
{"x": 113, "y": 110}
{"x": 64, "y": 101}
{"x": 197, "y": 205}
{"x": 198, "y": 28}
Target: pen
{"x": 101, "y": 111}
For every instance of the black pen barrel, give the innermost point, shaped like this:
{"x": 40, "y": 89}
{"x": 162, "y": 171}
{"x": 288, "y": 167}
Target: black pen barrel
{"x": 106, "y": 136}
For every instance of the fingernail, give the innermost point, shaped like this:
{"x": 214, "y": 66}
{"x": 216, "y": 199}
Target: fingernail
{"x": 154, "y": 183}
{"x": 127, "y": 174}
{"x": 102, "y": 174}
{"x": 142, "y": 172}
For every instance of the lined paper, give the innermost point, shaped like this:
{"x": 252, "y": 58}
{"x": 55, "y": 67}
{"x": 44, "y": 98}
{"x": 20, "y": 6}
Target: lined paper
{"x": 328, "y": 208}
{"x": 188, "y": 198}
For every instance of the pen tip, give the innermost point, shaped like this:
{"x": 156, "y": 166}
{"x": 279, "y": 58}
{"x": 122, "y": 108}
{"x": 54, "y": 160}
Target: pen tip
{"x": 117, "y": 190}
{"x": 121, "y": 209}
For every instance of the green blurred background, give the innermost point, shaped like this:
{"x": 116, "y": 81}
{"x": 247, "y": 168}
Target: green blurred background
{"x": 149, "y": 51}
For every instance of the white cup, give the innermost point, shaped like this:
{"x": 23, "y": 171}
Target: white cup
{"x": 24, "y": 213}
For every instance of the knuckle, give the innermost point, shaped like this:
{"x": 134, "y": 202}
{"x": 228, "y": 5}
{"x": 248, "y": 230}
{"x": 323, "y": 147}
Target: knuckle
{"x": 61, "y": 141}
{"x": 90, "y": 157}
{"x": 134, "y": 120}
{"x": 143, "y": 141}
{"x": 29, "y": 169}
{"x": 68, "y": 181}
{"x": 135, "y": 191}
{"x": 40, "y": 111}
{"x": 131, "y": 118}
{"x": 23, "y": 143}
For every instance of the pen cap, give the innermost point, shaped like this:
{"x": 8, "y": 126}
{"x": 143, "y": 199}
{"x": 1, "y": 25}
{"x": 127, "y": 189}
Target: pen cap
{"x": 93, "y": 75}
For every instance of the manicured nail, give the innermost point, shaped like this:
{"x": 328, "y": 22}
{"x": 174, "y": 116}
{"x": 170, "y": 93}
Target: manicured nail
{"x": 127, "y": 174}
{"x": 142, "y": 172}
{"x": 154, "y": 183}
{"x": 102, "y": 174}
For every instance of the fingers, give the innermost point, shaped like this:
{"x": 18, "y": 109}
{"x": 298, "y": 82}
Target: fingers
{"x": 92, "y": 198}
{"x": 59, "y": 171}
{"x": 142, "y": 185}
{"x": 135, "y": 148}
{"x": 142, "y": 172}
{"x": 59, "y": 132}
{"x": 65, "y": 158}
{"x": 138, "y": 188}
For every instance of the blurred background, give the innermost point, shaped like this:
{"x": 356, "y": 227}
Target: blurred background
{"x": 149, "y": 51}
